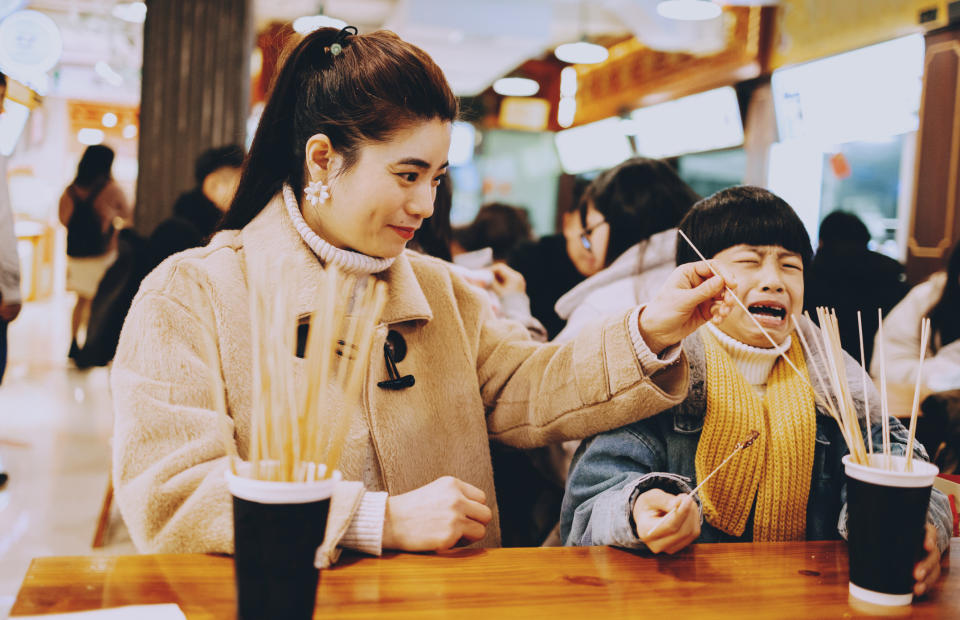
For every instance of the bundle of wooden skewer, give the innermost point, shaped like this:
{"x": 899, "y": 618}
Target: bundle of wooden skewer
{"x": 839, "y": 401}
{"x": 301, "y": 417}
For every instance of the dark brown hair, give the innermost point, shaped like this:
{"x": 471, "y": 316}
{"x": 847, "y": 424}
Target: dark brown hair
{"x": 377, "y": 85}
{"x": 639, "y": 198}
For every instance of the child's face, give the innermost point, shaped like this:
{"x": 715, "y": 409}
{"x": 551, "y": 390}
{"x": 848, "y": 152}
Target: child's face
{"x": 770, "y": 283}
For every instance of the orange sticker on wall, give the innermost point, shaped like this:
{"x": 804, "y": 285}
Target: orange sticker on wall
{"x": 840, "y": 166}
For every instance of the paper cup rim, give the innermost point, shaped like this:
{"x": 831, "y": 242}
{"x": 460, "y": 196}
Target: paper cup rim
{"x": 923, "y": 473}
{"x": 270, "y": 492}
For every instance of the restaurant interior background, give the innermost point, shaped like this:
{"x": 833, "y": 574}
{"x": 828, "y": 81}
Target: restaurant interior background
{"x": 832, "y": 105}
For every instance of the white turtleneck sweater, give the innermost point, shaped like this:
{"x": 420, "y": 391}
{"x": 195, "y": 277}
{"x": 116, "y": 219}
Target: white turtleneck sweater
{"x": 754, "y": 363}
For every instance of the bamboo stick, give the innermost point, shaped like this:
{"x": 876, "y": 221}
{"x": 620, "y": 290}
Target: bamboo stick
{"x": 884, "y": 405}
{"x": 863, "y": 379}
{"x": 924, "y": 335}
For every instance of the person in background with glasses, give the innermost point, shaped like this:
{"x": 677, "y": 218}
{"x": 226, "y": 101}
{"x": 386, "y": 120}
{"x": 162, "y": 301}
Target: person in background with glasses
{"x": 628, "y": 240}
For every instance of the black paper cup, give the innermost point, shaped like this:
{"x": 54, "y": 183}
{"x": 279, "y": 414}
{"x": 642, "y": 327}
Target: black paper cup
{"x": 277, "y": 527}
{"x": 886, "y": 513}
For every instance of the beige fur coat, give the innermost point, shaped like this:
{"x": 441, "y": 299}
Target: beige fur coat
{"x": 476, "y": 377}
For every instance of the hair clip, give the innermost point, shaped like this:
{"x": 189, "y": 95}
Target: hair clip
{"x": 336, "y": 48}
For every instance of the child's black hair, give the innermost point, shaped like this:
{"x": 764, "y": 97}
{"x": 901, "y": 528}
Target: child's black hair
{"x": 742, "y": 215}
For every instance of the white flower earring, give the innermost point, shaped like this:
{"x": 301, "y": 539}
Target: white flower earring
{"x": 317, "y": 193}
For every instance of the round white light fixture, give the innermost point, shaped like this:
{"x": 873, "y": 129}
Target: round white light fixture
{"x": 516, "y": 87}
{"x": 90, "y": 136}
{"x": 109, "y": 120}
{"x": 130, "y": 131}
{"x": 689, "y": 10}
{"x": 133, "y": 12}
{"x": 581, "y": 53}
{"x": 309, "y": 23}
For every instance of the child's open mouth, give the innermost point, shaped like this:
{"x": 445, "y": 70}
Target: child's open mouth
{"x": 769, "y": 314}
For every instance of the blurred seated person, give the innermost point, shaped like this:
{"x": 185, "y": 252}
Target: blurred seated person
{"x": 630, "y": 487}
{"x": 498, "y": 226}
{"x": 848, "y": 277}
{"x": 630, "y": 214}
{"x": 197, "y": 212}
{"x": 937, "y": 298}
{"x": 505, "y": 287}
{"x": 554, "y": 264}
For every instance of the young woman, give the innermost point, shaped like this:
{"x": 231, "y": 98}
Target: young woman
{"x": 630, "y": 214}
{"x": 91, "y": 208}
{"x": 625, "y": 484}
{"x": 361, "y": 123}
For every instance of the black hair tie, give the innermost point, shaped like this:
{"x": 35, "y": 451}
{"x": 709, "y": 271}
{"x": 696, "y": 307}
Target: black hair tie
{"x": 341, "y": 39}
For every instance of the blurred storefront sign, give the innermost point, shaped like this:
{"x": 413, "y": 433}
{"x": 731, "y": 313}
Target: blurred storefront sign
{"x": 702, "y": 122}
{"x": 811, "y": 29}
{"x": 528, "y": 113}
{"x": 636, "y": 75}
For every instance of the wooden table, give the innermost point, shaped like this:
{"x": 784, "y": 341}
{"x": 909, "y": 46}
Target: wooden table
{"x": 780, "y": 580}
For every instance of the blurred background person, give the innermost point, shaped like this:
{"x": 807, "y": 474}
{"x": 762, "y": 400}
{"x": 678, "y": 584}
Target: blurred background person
{"x": 498, "y": 226}
{"x": 846, "y": 276}
{"x": 629, "y": 215}
{"x": 197, "y": 212}
{"x": 939, "y": 299}
{"x": 938, "y": 427}
{"x": 93, "y": 208}
{"x": 554, "y": 264}
{"x": 10, "y": 299}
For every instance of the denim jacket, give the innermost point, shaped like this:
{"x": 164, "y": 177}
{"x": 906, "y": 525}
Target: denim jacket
{"x": 610, "y": 470}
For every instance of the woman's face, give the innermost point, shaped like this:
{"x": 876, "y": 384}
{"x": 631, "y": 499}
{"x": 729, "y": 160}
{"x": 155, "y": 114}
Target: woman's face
{"x": 588, "y": 261}
{"x": 375, "y": 207}
{"x": 770, "y": 283}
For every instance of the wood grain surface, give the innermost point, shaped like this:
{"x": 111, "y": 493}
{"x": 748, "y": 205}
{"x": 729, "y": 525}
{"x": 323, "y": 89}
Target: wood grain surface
{"x": 782, "y": 580}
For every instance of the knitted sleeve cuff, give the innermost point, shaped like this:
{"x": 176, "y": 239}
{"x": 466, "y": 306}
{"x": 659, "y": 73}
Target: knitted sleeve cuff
{"x": 365, "y": 532}
{"x": 650, "y": 362}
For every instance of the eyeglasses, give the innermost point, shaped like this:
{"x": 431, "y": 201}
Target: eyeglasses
{"x": 585, "y": 235}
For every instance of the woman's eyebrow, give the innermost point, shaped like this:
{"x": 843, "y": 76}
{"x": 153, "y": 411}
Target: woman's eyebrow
{"x": 419, "y": 163}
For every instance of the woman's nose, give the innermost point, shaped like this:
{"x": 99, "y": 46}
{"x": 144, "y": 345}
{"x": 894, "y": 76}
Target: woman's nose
{"x": 421, "y": 203}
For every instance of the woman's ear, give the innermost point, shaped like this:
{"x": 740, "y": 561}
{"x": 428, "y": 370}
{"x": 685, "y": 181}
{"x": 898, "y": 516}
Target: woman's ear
{"x": 320, "y": 158}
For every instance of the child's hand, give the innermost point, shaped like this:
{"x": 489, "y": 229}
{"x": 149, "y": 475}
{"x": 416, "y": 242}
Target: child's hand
{"x": 666, "y": 523}
{"x": 927, "y": 570}
{"x": 690, "y": 297}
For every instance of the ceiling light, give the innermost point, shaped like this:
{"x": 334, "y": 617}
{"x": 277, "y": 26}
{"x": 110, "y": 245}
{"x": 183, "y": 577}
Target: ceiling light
{"x": 516, "y": 87}
{"x": 688, "y": 10}
{"x": 566, "y": 111}
{"x": 130, "y": 131}
{"x": 90, "y": 136}
{"x": 568, "y": 82}
{"x": 581, "y": 53}
{"x": 133, "y": 12}
{"x": 109, "y": 120}
{"x": 309, "y": 23}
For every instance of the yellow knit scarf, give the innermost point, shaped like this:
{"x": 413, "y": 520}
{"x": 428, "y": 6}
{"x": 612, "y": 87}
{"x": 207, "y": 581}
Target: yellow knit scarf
{"x": 777, "y": 468}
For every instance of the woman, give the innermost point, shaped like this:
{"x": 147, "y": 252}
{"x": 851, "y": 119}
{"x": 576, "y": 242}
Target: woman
{"x": 342, "y": 171}
{"x": 939, "y": 299}
{"x": 92, "y": 208}
{"x": 629, "y": 216}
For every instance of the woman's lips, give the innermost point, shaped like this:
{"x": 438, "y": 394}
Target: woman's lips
{"x": 405, "y": 233}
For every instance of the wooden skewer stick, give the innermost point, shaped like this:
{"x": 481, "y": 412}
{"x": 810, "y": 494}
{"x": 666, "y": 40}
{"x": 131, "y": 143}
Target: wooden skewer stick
{"x": 743, "y": 306}
{"x": 743, "y": 445}
{"x": 884, "y": 405}
{"x": 863, "y": 379}
{"x": 924, "y": 335}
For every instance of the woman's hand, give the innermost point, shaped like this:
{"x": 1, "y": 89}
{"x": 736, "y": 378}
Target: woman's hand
{"x": 689, "y": 297}
{"x": 506, "y": 280}
{"x": 666, "y": 523}
{"x": 927, "y": 570}
{"x": 435, "y": 516}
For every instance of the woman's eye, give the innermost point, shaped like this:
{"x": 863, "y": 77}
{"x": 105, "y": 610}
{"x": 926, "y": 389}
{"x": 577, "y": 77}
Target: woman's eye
{"x": 409, "y": 177}
{"x": 436, "y": 180}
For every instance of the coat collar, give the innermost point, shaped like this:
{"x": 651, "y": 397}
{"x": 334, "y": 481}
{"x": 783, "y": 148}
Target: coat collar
{"x": 271, "y": 244}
